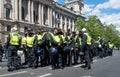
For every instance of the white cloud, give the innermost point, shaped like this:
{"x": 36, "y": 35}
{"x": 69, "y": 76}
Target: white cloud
{"x": 113, "y": 18}
{"x": 56, "y": 0}
{"x": 104, "y": 17}
{"x": 88, "y": 8}
{"x": 114, "y": 4}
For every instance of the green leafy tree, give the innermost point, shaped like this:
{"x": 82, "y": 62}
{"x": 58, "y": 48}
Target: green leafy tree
{"x": 96, "y": 29}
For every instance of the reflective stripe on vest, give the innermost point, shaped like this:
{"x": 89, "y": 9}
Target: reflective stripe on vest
{"x": 80, "y": 40}
{"x": 14, "y": 38}
{"x": 88, "y": 38}
{"x": 76, "y": 43}
{"x": 69, "y": 37}
{"x": 30, "y": 41}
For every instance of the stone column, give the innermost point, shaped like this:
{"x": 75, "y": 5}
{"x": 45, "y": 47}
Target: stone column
{"x": 16, "y": 9}
{"x": 65, "y": 26}
{"x": 51, "y": 21}
{"x": 32, "y": 12}
{"x": 61, "y": 26}
{"x": 39, "y": 13}
{"x": 53, "y": 18}
{"x": 69, "y": 23}
{"x": 73, "y": 25}
{"x": 29, "y": 11}
{"x": 42, "y": 14}
{"x": 20, "y": 10}
{"x": 0, "y": 8}
{"x": 3, "y": 14}
{"x": 48, "y": 16}
{"x": 56, "y": 20}
{"x": 13, "y": 9}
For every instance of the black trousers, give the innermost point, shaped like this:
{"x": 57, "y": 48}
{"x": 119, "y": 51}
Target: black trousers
{"x": 31, "y": 60}
{"x": 13, "y": 59}
{"x": 87, "y": 56}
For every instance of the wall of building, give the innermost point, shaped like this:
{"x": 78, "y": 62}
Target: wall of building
{"x": 47, "y": 15}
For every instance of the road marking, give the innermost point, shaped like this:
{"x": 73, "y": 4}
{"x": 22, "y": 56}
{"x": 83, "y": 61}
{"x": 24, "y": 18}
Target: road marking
{"x": 106, "y": 57}
{"x": 79, "y": 65}
{"x": 32, "y": 73}
{"x": 12, "y": 74}
{"x": 95, "y": 60}
{"x": 45, "y": 75}
{"x": 87, "y": 76}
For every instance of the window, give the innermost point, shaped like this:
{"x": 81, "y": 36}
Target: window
{"x": 35, "y": 17}
{"x": 45, "y": 16}
{"x": 25, "y": 29}
{"x": 8, "y": 27}
{"x": 23, "y": 14}
{"x": 7, "y": 13}
{"x": 63, "y": 27}
{"x": 36, "y": 5}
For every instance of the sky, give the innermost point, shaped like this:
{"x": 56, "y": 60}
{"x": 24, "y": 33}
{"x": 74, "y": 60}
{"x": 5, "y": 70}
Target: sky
{"x": 108, "y": 11}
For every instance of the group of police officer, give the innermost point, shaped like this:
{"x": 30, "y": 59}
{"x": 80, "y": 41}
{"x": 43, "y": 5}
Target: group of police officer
{"x": 55, "y": 48}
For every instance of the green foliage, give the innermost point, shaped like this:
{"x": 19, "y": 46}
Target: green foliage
{"x": 96, "y": 29}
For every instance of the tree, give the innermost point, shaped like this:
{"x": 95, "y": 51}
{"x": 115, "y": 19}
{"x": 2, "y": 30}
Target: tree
{"x": 96, "y": 29}
{"x": 79, "y": 24}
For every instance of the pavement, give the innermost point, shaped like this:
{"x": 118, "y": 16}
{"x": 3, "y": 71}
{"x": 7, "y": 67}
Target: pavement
{"x": 106, "y": 67}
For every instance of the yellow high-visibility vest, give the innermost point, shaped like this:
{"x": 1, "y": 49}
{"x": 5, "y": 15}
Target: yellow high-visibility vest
{"x": 88, "y": 38}
{"x": 63, "y": 38}
{"x": 14, "y": 38}
{"x": 24, "y": 40}
{"x": 30, "y": 41}
{"x": 110, "y": 46}
{"x": 39, "y": 37}
{"x": 56, "y": 38}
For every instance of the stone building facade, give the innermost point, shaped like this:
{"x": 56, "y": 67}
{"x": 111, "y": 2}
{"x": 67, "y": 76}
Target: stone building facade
{"x": 36, "y": 13}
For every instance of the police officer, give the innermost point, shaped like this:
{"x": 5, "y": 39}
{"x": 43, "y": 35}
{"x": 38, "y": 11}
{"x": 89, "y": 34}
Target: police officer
{"x": 68, "y": 42}
{"x": 40, "y": 46}
{"x": 24, "y": 39}
{"x": 54, "y": 50}
{"x": 31, "y": 45}
{"x": 13, "y": 44}
{"x": 86, "y": 42}
{"x": 111, "y": 46}
{"x": 62, "y": 52}
{"x": 81, "y": 53}
{"x": 99, "y": 49}
{"x": 74, "y": 47}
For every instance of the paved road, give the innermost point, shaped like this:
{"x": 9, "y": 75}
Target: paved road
{"x": 107, "y": 67}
